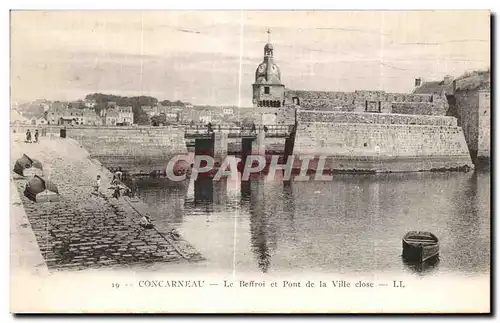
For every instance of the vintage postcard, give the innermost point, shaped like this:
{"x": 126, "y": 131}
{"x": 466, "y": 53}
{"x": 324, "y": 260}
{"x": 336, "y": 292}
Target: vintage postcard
{"x": 250, "y": 162}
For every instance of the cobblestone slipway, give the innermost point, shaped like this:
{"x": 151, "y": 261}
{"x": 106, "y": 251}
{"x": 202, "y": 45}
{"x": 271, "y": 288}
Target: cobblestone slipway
{"x": 83, "y": 230}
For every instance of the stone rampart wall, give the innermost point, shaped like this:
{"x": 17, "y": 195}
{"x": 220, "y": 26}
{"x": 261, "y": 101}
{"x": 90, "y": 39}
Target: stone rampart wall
{"x": 436, "y": 143}
{"x": 373, "y": 118}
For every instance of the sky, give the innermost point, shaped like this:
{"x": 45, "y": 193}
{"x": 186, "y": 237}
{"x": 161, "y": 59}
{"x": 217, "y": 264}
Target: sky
{"x": 210, "y": 57}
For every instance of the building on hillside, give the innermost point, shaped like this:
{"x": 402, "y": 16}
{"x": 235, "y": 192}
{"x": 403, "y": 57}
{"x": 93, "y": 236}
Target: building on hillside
{"x": 45, "y": 106}
{"x": 125, "y": 115}
{"x": 18, "y": 118}
{"x": 38, "y": 121}
{"x": 34, "y": 110}
{"x": 58, "y": 114}
{"x": 90, "y": 118}
{"x": 228, "y": 111}
{"x": 434, "y": 87}
{"x": 177, "y": 108}
{"x": 90, "y": 104}
{"x": 66, "y": 121}
{"x": 205, "y": 118}
{"x": 75, "y": 114}
{"x": 58, "y": 106}
{"x": 75, "y": 105}
{"x": 112, "y": 117}
{"x": 55, "y": 112}
{"x": 148, "y": 110}
{"x": 171, "y": 114}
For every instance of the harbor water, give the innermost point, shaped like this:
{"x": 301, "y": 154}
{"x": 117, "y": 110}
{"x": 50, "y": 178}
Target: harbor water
{"x": 351, "y": 224}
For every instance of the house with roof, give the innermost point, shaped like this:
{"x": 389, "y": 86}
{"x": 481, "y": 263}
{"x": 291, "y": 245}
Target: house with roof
{"x": 90, "y": 104}
{"x": 434, "y": 87}
{"x": 125, "y": 115}
{"x": 112, "y": 117}
{"x": 17, "y": 118}
{"x": 90, "y": 118}
{"x": 469, "y": 101}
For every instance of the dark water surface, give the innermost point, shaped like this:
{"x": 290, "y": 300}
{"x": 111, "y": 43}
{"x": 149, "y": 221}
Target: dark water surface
{"x": 352, "y": 224}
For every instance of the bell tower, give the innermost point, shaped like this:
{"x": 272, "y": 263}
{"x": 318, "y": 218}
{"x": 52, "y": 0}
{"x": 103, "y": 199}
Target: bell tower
{"x": 267, "y": 89}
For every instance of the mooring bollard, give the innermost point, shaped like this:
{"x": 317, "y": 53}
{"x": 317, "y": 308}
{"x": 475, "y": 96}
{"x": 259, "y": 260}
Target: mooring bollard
{"x": 39, "y": 189}
{"x": 62, "y": 132}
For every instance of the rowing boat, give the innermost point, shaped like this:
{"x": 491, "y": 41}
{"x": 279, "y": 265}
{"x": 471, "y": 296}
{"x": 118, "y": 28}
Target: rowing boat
{"x": 420, "y": 246}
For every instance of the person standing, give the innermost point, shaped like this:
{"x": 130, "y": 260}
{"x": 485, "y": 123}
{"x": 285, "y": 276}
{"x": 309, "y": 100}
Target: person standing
{"x": 116, "y": 192}
{"x": 28, "y": 136}
{"x": 36, "y": 135}
{"x": 119, "y": 173}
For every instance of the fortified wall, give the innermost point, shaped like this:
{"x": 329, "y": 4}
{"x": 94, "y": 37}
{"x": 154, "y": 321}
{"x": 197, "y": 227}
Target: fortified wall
{"x": 380, "y": 142}
{"x": 370, "y": 101}
{"x": 135, "y": 149}
{"x": 473, "y": 110}
{"x": 267, "y": 116}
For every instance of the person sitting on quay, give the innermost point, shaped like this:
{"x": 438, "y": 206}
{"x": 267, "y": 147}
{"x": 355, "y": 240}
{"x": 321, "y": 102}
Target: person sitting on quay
{"x": 145, "y": 222}
{"x": 174, "y": 234}
{"x": 97, "y": 187}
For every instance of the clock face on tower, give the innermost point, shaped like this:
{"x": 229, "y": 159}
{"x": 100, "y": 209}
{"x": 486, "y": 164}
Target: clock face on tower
{"x": 262, "y": 68}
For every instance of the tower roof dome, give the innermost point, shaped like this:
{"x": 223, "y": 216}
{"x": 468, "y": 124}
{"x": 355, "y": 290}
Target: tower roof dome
{"x": 268, "y": 71}
{"x": 268, "y": 46}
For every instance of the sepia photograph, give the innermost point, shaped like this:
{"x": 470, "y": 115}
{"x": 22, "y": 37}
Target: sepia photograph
{"x": 169, "y": 161}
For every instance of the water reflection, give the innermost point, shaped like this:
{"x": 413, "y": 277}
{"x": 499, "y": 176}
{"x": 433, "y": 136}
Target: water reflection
{"x": 207, "y": 195}
{"x": 421, "y": 268}
{"x": 289, "y": 211}
{"x": 203, "y": 191}
{"x": 165, "y": 197}
{"x": 261, "y": 234}
{"x": 353, "y": 223}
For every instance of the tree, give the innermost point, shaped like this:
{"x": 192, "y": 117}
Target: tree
{"x": 247, "y": 122}
{"x": 140, "y": 117}
{"x": 159, "y": 119}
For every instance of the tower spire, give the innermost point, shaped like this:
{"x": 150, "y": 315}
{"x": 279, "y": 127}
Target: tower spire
{"x": 268, "y": 35}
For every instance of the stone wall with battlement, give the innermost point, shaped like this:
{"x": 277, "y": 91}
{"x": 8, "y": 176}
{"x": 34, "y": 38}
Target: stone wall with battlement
{"x": 370, "y": 142}
{"x": 473, "y": 110}
{"x": 376, "y": 101}
{"x": 373, "y": 118}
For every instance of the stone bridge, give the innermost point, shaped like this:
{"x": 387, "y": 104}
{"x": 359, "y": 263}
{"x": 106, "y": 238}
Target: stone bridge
{"x": 213, "y": 141}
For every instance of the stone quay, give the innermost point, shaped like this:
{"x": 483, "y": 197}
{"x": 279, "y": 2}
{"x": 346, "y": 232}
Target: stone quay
{"x": 83, "y": 229}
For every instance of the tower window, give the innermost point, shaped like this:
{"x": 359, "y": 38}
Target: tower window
{"x": 266, "y": 90}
